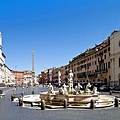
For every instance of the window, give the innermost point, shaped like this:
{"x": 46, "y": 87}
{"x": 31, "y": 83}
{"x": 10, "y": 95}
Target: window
{"x": 95, "y": 62}
{"x": 104, "y": 56}
{"x": 0, "y": 67}
{"x": 105, "y": 50}
{"x": 119, "y": 62}
{"x": 98, "y": 59}
{"x": 119, "y": 43}
{"x": 108, "y": 64}
{"x": 74, "y": 75}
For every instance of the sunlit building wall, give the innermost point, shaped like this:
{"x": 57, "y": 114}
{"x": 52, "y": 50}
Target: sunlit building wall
{"x": 93, "y": 65}
{"x": 115, "y": 58}
{"x": 2, "y": 62}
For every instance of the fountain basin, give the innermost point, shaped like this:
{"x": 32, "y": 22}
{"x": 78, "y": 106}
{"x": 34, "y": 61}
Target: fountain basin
{"x": 80, "y": 100}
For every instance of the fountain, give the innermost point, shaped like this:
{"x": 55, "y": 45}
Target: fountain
{"x": 69, "y": 97}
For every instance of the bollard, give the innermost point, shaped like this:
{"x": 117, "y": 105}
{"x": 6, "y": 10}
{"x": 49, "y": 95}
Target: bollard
{"x": 92, "y": 104}
{"x": 65, "y": 103}
{"x": 110, "y": 92}
{"x": 22, "y": 94}
{"x": 31, "y": 104}
{"x": 20, "y": 101}
{"x": 1, "y": 91}
{"x": 12, "y": 97}
{"x": 32, "y": 92}
{"x": 42, "y": 105}
{"x": 116, "y": 102}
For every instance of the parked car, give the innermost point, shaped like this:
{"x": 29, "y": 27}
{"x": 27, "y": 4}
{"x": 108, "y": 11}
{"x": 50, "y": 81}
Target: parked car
{"x": 111, "y": 87}
{"x": 104, "y": 88}
{"x": 58, "y": 84}
{"x": 116, "y": 88}
{"x": 74, "y": 84}
{"x": 2, "y": 84}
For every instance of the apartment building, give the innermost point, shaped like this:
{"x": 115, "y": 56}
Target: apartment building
{"x": 55, "y": 75}
{"x": 98, "y": 65}
{"x": 64, "y": 70}
{"x": 42, "y": 77}
{"x": 46, "y": 76}
{"x": 115, "y": 58}
{"x": 28, "y": 76}
{"x": 9, "y": 77}
{"x": 2, "y": 62}
{"x": 23, "y": 77}
{"x": 19, "y": 77}
{"x": 5, "y": 73}
{"x": 93, "y": 65}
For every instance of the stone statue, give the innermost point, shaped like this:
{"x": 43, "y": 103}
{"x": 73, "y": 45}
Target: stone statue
{"x": 95, "y": 90}
{"x": 65, "y": 88}
{"x": 70, "y": 77}
{"x": 50, "y": 88}
{"x": 61, "y": 91}
{"x": 77, "y": 88}
{"x": 88, "y": 87}
{"x": 70, "y": 81}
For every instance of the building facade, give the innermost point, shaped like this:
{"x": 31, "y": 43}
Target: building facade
{"x": 63, "y": 70}
{"x": 98, "y": 65}
{"x": 28, "y": 76}
{"x": 115, "y": 58}
{"x": 2, "y": 62}
{"x": 19, "y": 77}
{"x": 9, "y": 76}
{"x": 23, "y": 77}
{"x": 93, "y": 65}
{"x": 5, "y": 73}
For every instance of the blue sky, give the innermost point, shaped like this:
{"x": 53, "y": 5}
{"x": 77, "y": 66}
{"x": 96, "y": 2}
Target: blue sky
{"x": 57, "y": 30}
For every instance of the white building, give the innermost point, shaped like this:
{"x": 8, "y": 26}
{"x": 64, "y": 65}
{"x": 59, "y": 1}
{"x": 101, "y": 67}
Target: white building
{"x": 5, "y": 73}
{"x": 2, "y": 62}
{"x": 115, "y": 58}
{"x": 28, "y": 76}
{"x": 9, "y": 76}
